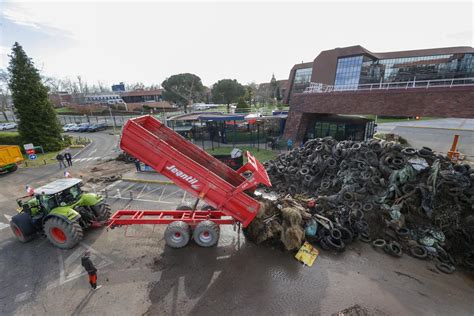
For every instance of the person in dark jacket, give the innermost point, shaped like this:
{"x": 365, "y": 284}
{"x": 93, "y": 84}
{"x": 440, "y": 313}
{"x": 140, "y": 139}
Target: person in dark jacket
{"x": 90, "y": 268}
{"x": 68, "y": 158}
{"x": 137, "y": 165}
{"x": 60, "y": 159}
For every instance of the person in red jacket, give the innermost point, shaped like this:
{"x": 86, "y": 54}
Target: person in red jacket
{"x": 91, "y": 269}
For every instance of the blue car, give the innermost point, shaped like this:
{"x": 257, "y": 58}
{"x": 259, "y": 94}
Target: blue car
{"x": 83, "y": 127}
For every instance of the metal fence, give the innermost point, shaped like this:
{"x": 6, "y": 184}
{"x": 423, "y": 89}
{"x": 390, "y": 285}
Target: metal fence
{"x": 414, "y": 84}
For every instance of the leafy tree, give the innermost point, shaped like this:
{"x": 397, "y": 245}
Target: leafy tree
{"x": 242, "y": 106}
{"x": 38, "y": 122}
{"x": 183, "y": 89}
{"x": 227, "y": 91}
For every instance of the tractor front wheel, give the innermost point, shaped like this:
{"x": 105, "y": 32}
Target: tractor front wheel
{"x": 63, "y": 234}
{"x": 19, "y": 233}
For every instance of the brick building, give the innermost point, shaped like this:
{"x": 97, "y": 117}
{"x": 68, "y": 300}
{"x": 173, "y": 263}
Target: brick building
{"x": 353, "y": 80}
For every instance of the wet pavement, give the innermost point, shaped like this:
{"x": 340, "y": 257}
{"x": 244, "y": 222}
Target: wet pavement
{"x": 140, "y": 275}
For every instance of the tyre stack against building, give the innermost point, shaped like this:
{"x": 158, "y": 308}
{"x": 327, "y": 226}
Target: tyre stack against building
{"x": 401, "y": 200}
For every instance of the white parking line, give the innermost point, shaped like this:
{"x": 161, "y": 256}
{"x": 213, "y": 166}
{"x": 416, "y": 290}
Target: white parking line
{"x": 3, "y": 226}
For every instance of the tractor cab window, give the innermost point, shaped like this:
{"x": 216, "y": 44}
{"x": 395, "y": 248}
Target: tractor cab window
{"x": 48, "y": 202}
{"x": 75, "y": 191}
{"x": 70, "y": 195}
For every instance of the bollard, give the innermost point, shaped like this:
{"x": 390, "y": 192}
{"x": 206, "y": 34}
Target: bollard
{"x": 44, "y": 160}
{"x": 131, "y": 195}
{"x": 106, "y": 193}
{"x": 118, "y": 194}
{"x": 93, "y": 189}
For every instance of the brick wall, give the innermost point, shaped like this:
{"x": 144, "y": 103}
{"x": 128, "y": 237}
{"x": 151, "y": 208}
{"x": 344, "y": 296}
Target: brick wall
{"x": 457, "y": 102}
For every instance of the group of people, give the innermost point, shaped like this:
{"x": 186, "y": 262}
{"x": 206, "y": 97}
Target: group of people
{"x": 60, "y": 158}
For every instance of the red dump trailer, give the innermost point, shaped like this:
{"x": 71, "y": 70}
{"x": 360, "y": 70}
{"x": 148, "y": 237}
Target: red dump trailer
{"x": 226, "y": 191}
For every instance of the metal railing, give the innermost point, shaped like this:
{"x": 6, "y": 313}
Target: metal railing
{"x": 414, "y": 84}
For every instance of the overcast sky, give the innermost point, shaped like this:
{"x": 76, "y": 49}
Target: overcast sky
{"x": 114, "y": 41}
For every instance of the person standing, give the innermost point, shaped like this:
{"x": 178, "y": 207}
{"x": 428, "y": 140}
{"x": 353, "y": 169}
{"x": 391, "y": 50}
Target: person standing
{"x": 91, "y": 269}
{"x": 68, "y": 158}
{"x": 60, "y": 159}
{"x": 137, "y": 165}
{"x": 289, "y": 144}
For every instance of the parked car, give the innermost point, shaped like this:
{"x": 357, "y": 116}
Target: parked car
{"x": 83, "y": 127}
{"x": 74, "y": 128}
{"x": 97, "y": 127}
{"x": 68, "y": 127}
{"x": 5, "y": 126}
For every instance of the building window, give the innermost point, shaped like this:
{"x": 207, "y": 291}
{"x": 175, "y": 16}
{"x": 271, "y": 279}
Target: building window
{"x": 348, "y": 72}
{"x": 434, "y": 67}
{"x": 302, "y": 79}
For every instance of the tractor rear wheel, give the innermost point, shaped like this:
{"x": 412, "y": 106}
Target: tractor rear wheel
{"x": 63, "y": 234}
{"x": 177, "y": 234}
{"x": 206, "y": 234}
{"x": 102, "y": 211}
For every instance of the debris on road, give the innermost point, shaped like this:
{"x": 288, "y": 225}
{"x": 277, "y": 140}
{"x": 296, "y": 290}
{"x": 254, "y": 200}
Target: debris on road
{"x": 307, "y": 254}
{"x": 399, "y": 199}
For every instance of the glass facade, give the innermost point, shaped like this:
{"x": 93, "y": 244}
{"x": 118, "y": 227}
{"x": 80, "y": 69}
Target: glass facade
{"x": 355, "y": 70}
{"x": 302, "y": 79}
{"x": 348, "y": 72}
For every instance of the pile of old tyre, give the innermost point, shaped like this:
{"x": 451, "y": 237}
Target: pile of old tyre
{"x": 360, "y": 187}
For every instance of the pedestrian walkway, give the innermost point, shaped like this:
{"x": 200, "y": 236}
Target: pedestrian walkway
{"x": 86, "y": 159}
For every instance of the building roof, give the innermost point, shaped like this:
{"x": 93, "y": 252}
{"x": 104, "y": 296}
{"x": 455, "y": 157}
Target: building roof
{"x": 57, "y": 186}
{"x": 207, "y": 116}
{"x": 153, "y": 104}
{"x": 139, "y": 93}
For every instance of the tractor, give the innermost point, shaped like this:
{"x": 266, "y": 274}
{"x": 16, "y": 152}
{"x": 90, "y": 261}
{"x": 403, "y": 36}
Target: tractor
{"x": 61, "y": 211}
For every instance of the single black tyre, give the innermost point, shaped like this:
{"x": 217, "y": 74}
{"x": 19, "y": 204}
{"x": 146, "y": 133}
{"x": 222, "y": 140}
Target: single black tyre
{"x": 63, "y": 234}
{"x": 364, "y": 237}
{"x": 206, "y": 234}
{"x": 419, "y": 252}
{"x": 395, "y": 249}
{"x": 445, "y": 267}
{"x": 335, "y": 244}
{"x": 177, "y": 234}
{"x": 379, "y": 243}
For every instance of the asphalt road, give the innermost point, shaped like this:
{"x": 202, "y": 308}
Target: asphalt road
{"x": 436, "y": 134}
{"x": 140, "y": 275}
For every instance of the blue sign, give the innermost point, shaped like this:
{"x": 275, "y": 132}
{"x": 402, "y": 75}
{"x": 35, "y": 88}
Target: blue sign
{"x": 32, "y": 157}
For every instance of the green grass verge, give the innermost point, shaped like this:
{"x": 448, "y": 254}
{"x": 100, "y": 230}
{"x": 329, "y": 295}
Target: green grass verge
{"x": 398, "y": 119}
{"x": 46, "y": 159}
{"x": 64, "y": 110}
{"x": 262, "y": 155}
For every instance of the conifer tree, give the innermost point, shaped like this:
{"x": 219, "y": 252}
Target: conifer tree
{"x": 38, "y": 121}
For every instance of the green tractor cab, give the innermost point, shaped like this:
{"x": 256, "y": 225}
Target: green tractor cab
{"x": 60, "y": 210}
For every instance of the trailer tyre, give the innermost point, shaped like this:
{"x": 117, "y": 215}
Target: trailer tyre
{"x": 206, "y": 234}
{"x": 177, "y": 234}
{"x": 184, "y": 207}
{"x": 207, "y": 207}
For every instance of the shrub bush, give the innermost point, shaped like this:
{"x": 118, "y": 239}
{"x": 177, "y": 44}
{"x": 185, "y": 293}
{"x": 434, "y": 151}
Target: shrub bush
{"x": 10, "y": 138}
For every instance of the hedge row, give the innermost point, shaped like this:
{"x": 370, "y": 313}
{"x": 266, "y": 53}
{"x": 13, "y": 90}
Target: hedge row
{"x": 10, "y": 138}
